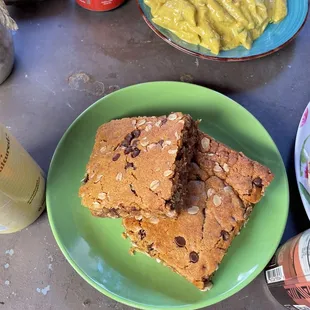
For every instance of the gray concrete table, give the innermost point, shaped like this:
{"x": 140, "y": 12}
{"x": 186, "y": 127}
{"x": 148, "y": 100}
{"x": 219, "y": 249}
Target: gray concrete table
{"x": 67, "y": 58}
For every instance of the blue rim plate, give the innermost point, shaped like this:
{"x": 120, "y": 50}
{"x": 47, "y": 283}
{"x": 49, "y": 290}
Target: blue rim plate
{"x": 275, "y": 37}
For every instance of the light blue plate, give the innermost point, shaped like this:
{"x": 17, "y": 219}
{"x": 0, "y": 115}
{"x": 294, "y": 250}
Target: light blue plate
{"x": 274, "y": 38}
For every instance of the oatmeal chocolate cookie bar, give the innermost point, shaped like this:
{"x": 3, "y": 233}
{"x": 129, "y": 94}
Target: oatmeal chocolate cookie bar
{"x": 139, "y": 166}
{"x": 194, "y": 244}
{"x": 221, "y": 193}
{"x": 247, "y": 177}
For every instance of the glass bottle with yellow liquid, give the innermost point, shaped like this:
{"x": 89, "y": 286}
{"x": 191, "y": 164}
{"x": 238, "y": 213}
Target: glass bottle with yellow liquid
{"x": 22, "y": 185}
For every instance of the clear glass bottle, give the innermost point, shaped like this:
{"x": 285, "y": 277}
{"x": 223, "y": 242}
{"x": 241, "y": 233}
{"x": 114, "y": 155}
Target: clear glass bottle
{"x": 6, "y": 53}
{"x": 22, "y": 185}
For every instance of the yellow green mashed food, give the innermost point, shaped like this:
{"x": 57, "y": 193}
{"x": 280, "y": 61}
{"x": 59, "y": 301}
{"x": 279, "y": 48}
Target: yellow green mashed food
{"x": 217, "y": 24}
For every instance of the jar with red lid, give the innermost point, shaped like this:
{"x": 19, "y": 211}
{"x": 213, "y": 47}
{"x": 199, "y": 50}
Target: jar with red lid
{"x": 100, "y": 5}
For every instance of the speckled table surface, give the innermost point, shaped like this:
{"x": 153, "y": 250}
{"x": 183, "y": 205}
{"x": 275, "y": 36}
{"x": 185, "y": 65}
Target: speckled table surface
{"x": 67, "y": 58}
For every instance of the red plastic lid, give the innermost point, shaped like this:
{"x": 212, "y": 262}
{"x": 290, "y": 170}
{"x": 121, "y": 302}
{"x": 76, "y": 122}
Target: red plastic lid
{"x": 100, "y": 5}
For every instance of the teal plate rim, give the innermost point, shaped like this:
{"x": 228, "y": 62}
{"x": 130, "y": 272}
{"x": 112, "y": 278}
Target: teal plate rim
{"x": 120, "y": 298}
{"x": 187, "y": 48}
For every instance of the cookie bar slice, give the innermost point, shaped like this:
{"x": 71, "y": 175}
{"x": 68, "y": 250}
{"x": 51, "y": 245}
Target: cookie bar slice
{"x": 194, "y": 244}
{"x": 248, "y": 178}
{"x": 223, "y": 185}
{"x": 139, "y": 166}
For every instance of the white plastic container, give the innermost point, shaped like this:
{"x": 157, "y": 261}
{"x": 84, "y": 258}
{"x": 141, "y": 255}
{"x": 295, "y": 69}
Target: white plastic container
{"x": 22, "y": 186}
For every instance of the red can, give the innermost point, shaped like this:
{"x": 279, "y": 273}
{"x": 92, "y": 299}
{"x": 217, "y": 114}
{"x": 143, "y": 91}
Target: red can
{"x": 100, "y": 5}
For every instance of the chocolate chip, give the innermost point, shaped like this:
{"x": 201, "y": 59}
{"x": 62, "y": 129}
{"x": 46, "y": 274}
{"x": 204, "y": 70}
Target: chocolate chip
{"x": 113, "y": 213}
{"x": 164, "y": 121}
{"x": 135, "y": 152}
{"x": 128, "y": 150}
{"x": 116, "y": 156}
{"x": 258, "y": 182}
{"x": 130, "y": 165}
{"x": 193, "y": 257}
{"x": 180, "y": 241}
{"x": 129, "y": 137}
{"x": 225, "y": 235}
{"x": 116, "y": 147}
{"x": 150, "y": 247}
{"x": 133, "y": 190}
{"x": 206, "y": 280}
{"x": 136, "y": 133}
{"x": 85, "y": 179}
{"x": 161, "y": 142}
{"x": 179, "y": 156}
{"x": 142, "y": 234}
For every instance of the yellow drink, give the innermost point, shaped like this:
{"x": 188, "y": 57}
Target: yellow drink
{"x": 22, "y": 186}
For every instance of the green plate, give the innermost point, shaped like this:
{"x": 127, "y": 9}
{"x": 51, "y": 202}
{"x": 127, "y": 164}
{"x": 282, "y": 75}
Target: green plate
{"x": 95, "y": 248}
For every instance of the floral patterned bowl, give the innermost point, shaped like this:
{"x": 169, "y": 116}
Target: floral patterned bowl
{"x": 302, "y": 159}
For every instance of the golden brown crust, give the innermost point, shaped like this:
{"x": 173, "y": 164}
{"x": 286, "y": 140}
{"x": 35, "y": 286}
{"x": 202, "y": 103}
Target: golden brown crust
{"x": 138, "y": 166}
